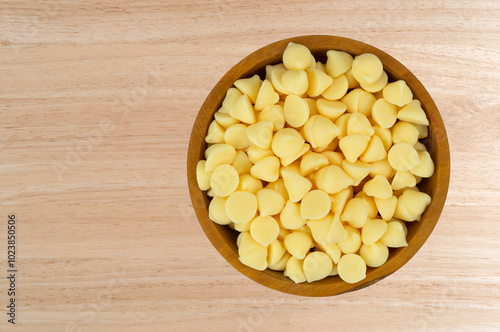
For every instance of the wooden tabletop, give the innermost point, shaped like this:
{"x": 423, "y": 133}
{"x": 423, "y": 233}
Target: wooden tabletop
{"x": 97, "y": 102}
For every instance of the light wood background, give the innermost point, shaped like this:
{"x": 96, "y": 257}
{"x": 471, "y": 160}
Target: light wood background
{"x": 97, "y": 102}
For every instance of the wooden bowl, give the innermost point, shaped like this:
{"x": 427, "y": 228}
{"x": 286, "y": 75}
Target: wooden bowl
{"x": 224, "y": 239}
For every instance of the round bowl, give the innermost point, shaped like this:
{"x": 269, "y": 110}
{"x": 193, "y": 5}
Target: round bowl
{"x": 223, "y": 238}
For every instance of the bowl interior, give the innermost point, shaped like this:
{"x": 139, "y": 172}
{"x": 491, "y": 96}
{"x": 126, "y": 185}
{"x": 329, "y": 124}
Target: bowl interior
{"x": 224, "y": 239}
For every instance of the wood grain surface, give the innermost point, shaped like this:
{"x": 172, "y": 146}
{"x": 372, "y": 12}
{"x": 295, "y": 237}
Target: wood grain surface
{"x": 97, "y": 103}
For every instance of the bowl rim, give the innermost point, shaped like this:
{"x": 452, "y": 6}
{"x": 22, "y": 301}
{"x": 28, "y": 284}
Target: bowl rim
{"x": 271, "y": 54}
